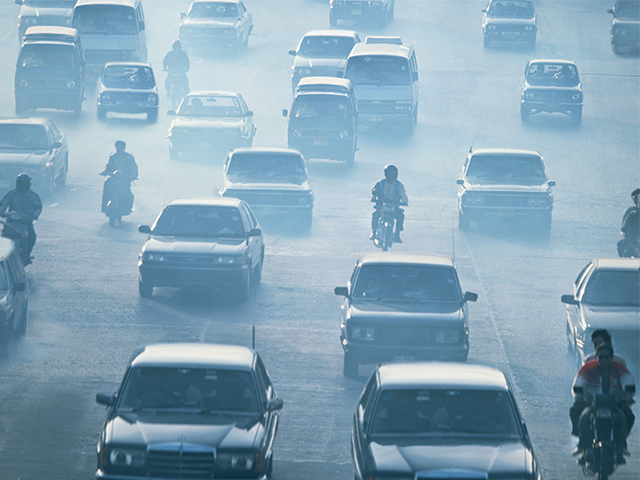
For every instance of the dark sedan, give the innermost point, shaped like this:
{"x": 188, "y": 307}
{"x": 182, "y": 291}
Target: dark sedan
{"x": 190, "y": 410}
{"x": 419, "y": 421}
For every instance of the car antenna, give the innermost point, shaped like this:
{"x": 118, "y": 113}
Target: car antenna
{"x": 474, "y": 140}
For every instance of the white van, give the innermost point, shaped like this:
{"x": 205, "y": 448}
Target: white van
{"x": 111, "y": 30}
{"x": 385, "y": 80}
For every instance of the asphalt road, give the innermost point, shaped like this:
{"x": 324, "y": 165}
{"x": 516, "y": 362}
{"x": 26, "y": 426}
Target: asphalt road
{"x": 86, "y": 317}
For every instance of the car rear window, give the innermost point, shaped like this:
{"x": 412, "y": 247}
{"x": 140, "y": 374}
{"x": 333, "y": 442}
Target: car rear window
{"x": 48, "y": 56}
{"x": 320, "y": 47}
{"x": 213, "y": 10}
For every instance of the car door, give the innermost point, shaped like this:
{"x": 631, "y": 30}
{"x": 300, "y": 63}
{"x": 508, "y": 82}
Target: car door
{"x": 361, "y": 419}
{"x": 248, "y": 126}
{"x": 57, "y": 154}
{"x": 267, "y": 392}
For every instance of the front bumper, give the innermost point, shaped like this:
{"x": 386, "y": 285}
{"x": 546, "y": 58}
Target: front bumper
{"x": 127, "y": 108}
{"x": 510, "y": 35}
{"x": 58, "y": 98}
{"x": 180, "y": 276}
{"x": 480, "y": 214}
{"x": 551, "y": 106}
{"x": 375, "y": 353}
{"x": 206, "y": 37}
{"x": 100, "y": 475}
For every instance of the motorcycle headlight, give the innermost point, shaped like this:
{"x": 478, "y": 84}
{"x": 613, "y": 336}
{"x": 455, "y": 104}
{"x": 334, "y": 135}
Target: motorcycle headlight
{"x": 363, "y": 333}
{"x": 71, "y": 84}
{"x": 154, "y": 257}
{"x": 126, "y": 458}
{"x": 240, "y": 462}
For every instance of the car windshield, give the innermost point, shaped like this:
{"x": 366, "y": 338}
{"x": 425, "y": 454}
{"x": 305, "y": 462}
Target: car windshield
{"x": 628, "y": 9}
{"x": 15, "y": 136}
{"x": 508, "y": 9}
{"x": 613, "y": 288}
{"x": 325, "y": 106}
{"x": 267, "y": 166}
{"x": 210, "y": 106}
{"x": 213, "y": 10}
{"x": 202, "y": 389}
{"x": 510, "y": 169}
{"x": 378, "y": 70}
{"x": 48, "y": 56}
{"x": 105, "y": 19}
{"x": 199, "y": 221}
{"x": 553, "y": 75}
{"x": 128, "y": 76}
{"x": 428, "y": 283}
{"x": 442, "y": 411}
{"x": 323, "y": 47}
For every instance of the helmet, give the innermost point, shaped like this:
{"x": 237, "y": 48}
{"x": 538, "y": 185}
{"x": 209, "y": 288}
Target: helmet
{"x": 120, "y": 145}
{"x": 635, "y": 193}
{"x": 23, "y": 182}
{"x": 390, "y": 172}
{"x": 177, "y": 45}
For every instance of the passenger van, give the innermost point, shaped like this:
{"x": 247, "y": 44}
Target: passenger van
{"x": 50, "y": 70}
{"x": 111, "y": 30}
{"x": 13, "y": 296}
{"x": 323, "y": 121}
{"x": 384, "y": 74}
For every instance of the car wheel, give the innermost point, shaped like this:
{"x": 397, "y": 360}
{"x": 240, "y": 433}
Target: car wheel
{"x": 414, "y": 115}
{"x": 576, "y": 114}
{"x": 333, "y": 21}
{"x": 307, "y": 222}
{"x": 351, "y": 366}
{"x": 245, "y": 289}
{"x": 524, "y": 113}
{"x": 487, "y": 42}
{"x": 77, "y": 110}
{"x": 21, "y": 332}
{"x": 7, "y": 344}
{"x": 145, "y": 288}
{"x": 49, "y": 184}
{"x": 174, "y": 153}
{"x": 61, "y": 179}
{"x": 102, "y": 114}
{"x": 152, "y": 116}
{"x": 257, "y": 273}
{"x": 532, "y": 43}
{"x": 463, "y": 222}
{"x": 545, "y": 225}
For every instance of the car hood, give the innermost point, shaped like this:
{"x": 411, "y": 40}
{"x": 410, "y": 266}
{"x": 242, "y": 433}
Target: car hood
{"x": 22, "y": 158}
{"x": 196, "y": 123}
{"x": 294, "y": 184}
{"x": 617, "y": 318}
{"x": 407, "y": 312}
{"x": 414, "y": 456}
{"x": 306, "y": 62}
{"x": 500, "y": 188}
{"x": 195, "y": 246}
{"x": 157, "y": 427}
{"x": 27, "y": 11}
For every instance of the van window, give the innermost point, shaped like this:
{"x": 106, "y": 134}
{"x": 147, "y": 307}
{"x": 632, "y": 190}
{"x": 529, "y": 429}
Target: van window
{"x": 56, "y": 56}
{"x": 110, "y": 19}
{"x": 378, "y": 70}
{"x": 320, "y": 106}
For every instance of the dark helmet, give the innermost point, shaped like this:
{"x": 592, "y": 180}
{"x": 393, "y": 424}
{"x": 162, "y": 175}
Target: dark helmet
{"x": 390, "y": 172}
{"x": 177, "y": 45}
{"x": 636, "y": 193}
{"x": 120, "y": 145}
{"x": 23, "y": 182}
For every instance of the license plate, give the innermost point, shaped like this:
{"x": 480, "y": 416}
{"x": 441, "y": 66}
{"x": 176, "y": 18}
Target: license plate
{"x": 375, "y": 118}
{"x": 320, "y": 143}
{"x": 356, "y": 12}
{"x": 404, "y": 358}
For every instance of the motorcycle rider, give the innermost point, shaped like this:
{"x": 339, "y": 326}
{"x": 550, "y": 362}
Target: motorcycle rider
{"x": 630, "y": 226}
{"x": 24, "y": 200}
{"x": 603, "y": 376}
{"x": 389, "y": 189}
{"x": 176, "y": 63}
{"x": 124, "y": 163}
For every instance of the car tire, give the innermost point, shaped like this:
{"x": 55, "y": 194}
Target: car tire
{"x": 174, "y": 153}
{"x": 102, "y": 114}
{"x": 333, "y": 21}
{"x": 49, "y": 184}
{"x": 576, "y": 115}
{"x": 145, "y": 289}
{"x": 524, "y": 113}
{"x": 257, "y": 273}
{"x": 545, "y": 225}
{"x": 463, "y": 222}
{"x": 21, "y": 331}
{"x": 307, "y": 222}
{"x": 351, "y": 366}
{"x": 487, "y": 42}
{"x": 245, "y": 288}
{"x": 61, "y": 179}
{"x": 77, "y": 110}
{"x": 414, "y": 115}
{"x": 152, "y": 116}
{"x": 532, "y": 43}
{"x": 7, "y": 344}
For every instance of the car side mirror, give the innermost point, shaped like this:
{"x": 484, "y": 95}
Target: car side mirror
{"x": 285, "y": 112}
{"x": 293, "y": 53}
{"x": 470, "y": 297}
{"x": 248, "y": 113}
{"x": 19, "y": 287}
{"x": 460, "y": 181}
{"x": 609, "y": 10}
{"x": 275, "y": 404}
{"x": 484, "y": 10}
{"x": 569, "y": 299}
{"x": 144, "y": 228}
{"x": 171, "y": 112}
{"x": 18, "y": 2}
{"x": 183, "y": 16}
{"x": 341, "y": 291}
{"x": 141, "y": 25}
{"x": 105, "y": 399}
{"x": 254, "y": 232}
{"x": 551, "y": 183}
{"x": 56, "y": 145}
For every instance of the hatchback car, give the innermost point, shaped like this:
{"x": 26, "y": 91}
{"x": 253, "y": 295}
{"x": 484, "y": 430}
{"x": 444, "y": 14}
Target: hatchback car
{"x": 509, "y": 21}
{"x": 216, "y": 23}
{"x": 403, "y": 307}
{"x": 505, "y": 185}
{"x": 419, "y": 421}
{"x": 219, "y": 121}
{"x": 34, "y": 146}
{"x": 273, "y": 181}
{"x": 14, "y": 296}
{"x": 207, "y": 243}
{"x": 128, "y": 88}
{"x": 606, "y": 294}
{"x": 322, "y": 53}
{"x": 190, "y": 410}
{"x": 551, "y": 86}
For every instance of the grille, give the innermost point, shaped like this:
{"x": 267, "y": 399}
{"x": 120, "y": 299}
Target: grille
{"x": 510, "y": 29}
{"x": 181, "y": 461}
{"x": 506, "y": 201}
{"x": 320, "y": 134}
{"x": 47, "y": 82}
{"x": 413, "y": 337}
{"x": 323, "y": 71}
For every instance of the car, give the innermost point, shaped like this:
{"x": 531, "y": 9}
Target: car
{"x": 128, "y": 87}
{"x": 377, "y": 11}
{"x": 216, "y": 23}
{"x": 218, "y": 121}
{"x": 14, "y": 296}
{"x": 509, "y": 21}
{"x": 625, "y": 26}
{"x": 34, "y": 146}
{"x": 432, "y": 420}
{"x": 403, "y": 307}
{"x": 190, "y": 410}
{"x": 551, "y": 86}
{"x": 273, "y": 181}
{"x": 605, "y": 295}
{"x": 322, "y": 53}
{"x": 202, "y": 243}
{"x": 44, "y": 12}
{"x": 499, "y": 184}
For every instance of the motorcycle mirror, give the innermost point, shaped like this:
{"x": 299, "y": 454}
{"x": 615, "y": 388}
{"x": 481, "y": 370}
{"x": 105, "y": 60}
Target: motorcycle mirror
{"x": 144, "y": 228}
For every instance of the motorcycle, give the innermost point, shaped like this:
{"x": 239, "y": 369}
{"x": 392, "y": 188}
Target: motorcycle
{"x": 628, "y": 246}
{"x": 178, "y": 86}
{"x": 14, "y": 227}
{"x": 384, "y": 236}
{"x": 117, "y": 198}
{"x": 604, "y": 460}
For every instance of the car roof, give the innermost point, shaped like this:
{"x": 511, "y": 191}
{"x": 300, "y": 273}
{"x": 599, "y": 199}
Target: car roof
{"x": 331, "y": 33}
{"x": 383, "y": 39}
{"x": 331, "y": 84}
{"x": 195, "y": 355}
{"x": 127, "y": 64}
{"x": 26, "y": 121}
{"x": 6, "y": 247}
{"x": 441, "y": 375}
{"x": 501, "y": 151}
{"x": 208, "y": 202}
{"x": 212, "y": 94}
{"x": 266, "y": 151}
{"x": 553, "y": 60}
{"x": 54, "y": 31}
{"x": 130, "y": 3}
{"x": 617, "y": 263}
{"x": 361, "y": 49}
{"x": 395, "y": 258}
{"x": 217, "y": 1}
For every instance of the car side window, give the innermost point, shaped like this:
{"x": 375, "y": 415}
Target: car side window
{"x": 354, "y": 275}
{"x": 243, "y": 104}
{"x": 580, "y": 280}
{"x": 252, "y": 221}
{"x": 55, "y": 132}
{"x": 264, "y": 380}
{"x": 368, "y": 398}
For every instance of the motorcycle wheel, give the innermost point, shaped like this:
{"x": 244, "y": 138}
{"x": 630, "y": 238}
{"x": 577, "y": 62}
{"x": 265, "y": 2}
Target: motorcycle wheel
{"x": 606, "y": 463}
{"x": 388, "y": 237}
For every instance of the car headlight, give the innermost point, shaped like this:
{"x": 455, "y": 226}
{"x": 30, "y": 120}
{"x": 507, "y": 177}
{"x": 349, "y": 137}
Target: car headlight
{"x": 528, "y": 28}
{"x": 539, "y": 201}
{"x": 229, "y": 32}
{"x": 24, "y": 83}
{"x": 120, "y": 457}
{"x": 154, "y": 257}
{"x": 491, "y": 27}
{"x": 528, "y": 95}
{"x": 363, "y": 333}
{"x": 229, "y": 259}
{"x": 446, "y": 336}
{"x": 403, "y": 107}
{"x": 297, "y": 133}
{"x": 29, "y": 20}
{"x": 71, "y": 84}
{"x": 620, "y": 31}
{"x": 303, "y": 71}
{"x": 375, "y": 4}
{"x": 105, "y": 97}
{"x": 305, "y": 199}
{"x": 240, "y": 462}
{"x": 472, "y": 200}
{"x": 576, "y": 97}
{"x": 344, "y": 134}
